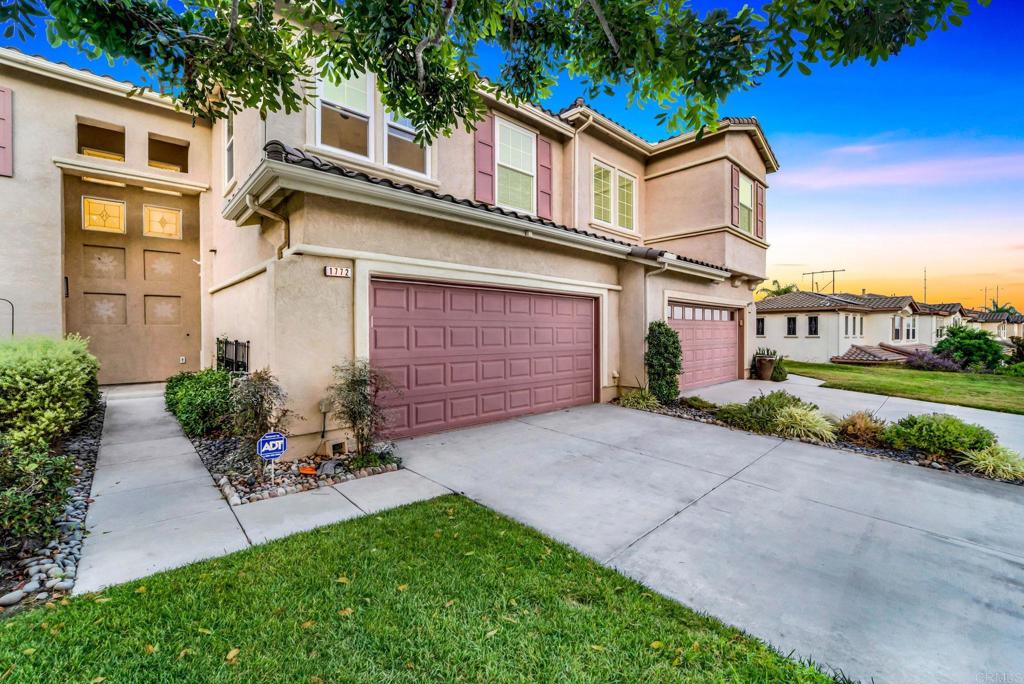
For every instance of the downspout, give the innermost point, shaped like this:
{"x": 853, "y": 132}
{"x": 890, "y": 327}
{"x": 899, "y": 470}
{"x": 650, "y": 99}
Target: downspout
{"x": 576, "y": 171}
{"x": 286, "y": 240}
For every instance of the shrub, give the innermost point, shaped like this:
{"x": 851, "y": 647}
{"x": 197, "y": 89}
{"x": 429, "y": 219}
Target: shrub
{"x": 970, "y": 347}
{"x": 804, "y": 422}
{"x": 1017, "y": 355}
{"x": 201, "y": 401}
{"x": 46, "y": 386}
{"x": 760, "y": 413}
{"x": 663, "y": 360}
{"x": 1014, "y": 371}
{"x": 642, "y": 399}
{"x": 259, "y": 405}
{"x": 779, "y": 372}
{"x": 33, "y": 492}
{"x": 926, "y": 360}
{"x": 356, "y": 399}
{"x": 938, "y": 434}
{"x": 863, "y": 428}
{"x": 699, "y": 403}
{"x": 996, "y": 461}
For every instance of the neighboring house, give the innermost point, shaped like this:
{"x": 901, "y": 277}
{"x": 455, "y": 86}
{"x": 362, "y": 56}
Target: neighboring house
{"x": 818, "y": 327}
{"x": 507, "y": 271}
{"x": 996, "y": 322}
{"x": 1015, "y": 325}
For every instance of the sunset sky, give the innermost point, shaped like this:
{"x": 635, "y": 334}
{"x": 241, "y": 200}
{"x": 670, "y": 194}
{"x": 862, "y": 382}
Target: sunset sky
{"x": 918, "y": 162}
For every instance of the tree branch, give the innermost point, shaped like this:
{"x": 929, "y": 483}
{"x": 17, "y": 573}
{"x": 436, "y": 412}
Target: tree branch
{"x": 433, "y": 41}
{"x": 604, "y": 25}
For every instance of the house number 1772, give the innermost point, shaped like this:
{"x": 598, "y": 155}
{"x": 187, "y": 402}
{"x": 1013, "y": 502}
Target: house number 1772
{"x": 337, "y": 271}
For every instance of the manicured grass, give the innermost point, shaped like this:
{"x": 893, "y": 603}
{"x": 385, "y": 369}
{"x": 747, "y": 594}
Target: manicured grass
{"x": 442, "y": 591}
{"x": 993, "y": 392}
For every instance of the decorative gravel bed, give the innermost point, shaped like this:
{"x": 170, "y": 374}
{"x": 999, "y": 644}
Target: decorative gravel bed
{"x": 909, "y": 457}
{"x": 238, "y": 478}
{"x": 49, "y": 572}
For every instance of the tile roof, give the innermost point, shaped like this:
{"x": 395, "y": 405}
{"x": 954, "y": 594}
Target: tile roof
{"x": 1015, "y": 318}
{"x": 988, "y": 316}
{"x": 877, "y": 302}
{"x": 868, "y": 354}
{"x": 904, "y": 349}
{"x": 805, "y": 301}
{"x": 278, "y": 151}
{"x": 948, "y": 309}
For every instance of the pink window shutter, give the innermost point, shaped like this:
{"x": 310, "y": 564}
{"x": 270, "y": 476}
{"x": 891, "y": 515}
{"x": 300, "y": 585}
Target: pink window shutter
{"x": 759, "y": 208}
{"x": 483, "y": 144}
{"x": 6, "y": 133}
{"x": 544, "y": 178}
{"x": 736, "y": 196}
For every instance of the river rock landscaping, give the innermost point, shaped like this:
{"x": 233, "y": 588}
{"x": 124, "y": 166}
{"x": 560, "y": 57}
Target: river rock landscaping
{"x": 46, "y": 573}
{"x": 697, "y": 409}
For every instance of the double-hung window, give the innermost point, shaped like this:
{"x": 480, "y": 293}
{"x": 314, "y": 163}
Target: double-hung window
{"x": 229, "y": 148}
{"x": 897, "y": 327}
{"x": 346, "y": 110}
{"x": 746, "y": 204}
{"x": 402, "y": 149}
{"x": 614, "y": 194}
{"x": 516, "y": 167}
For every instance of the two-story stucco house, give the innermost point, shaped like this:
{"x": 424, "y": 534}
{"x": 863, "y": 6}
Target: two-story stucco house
{"x": 510, "y": 270}
{"x": 818, "y": 327}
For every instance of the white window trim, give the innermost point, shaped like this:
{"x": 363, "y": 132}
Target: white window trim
{"x": 371, "y": 102}
{"x": 502, "y": 121}
{"x": 427, "y": 151}
{"x": 229, "y": 141}
{"x": 752, "y": 207}
{"x": 616, "y": 172}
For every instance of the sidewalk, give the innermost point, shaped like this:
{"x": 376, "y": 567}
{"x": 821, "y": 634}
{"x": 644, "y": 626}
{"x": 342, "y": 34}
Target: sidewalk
{"x": 155, "y": 506}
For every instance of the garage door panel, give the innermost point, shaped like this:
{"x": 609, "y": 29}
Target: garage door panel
{"x": 464, "y": 355}
{"x": 709, "y": 339}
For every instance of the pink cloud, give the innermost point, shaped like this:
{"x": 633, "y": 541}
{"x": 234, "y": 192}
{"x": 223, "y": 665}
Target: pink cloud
{"x": 921, "y": 173}
{"x": 865, "y": 148}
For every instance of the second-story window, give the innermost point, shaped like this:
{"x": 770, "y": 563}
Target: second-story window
{"x": 515, "y": 166}
{"x": 614, "y": 197}
{"x": 229, "y": 148}
{"x": 346, "y": 110}
{"x": 401, "y": 148}
{"x": 746, "y": 204}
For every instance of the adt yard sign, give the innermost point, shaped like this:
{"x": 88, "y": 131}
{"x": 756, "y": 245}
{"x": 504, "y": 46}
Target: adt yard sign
{"x": 271, "y": 446}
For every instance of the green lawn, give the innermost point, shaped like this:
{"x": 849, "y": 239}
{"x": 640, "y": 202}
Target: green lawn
{"x": 442, "y": 591}
{"x": 994, "y": 392}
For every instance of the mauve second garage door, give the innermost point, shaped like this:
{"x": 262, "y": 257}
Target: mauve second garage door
{"x": 709, "y": 337}
{"x": 466, "y": 355}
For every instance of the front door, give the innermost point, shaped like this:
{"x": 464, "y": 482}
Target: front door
{"x": 131, "y": 279}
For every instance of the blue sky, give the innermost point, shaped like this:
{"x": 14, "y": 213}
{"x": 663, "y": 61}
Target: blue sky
{"x": 916, "y": 162}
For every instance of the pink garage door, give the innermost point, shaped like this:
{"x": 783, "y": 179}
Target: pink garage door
{"x": 709, "y": 337}
{"x": 467, "y": 355}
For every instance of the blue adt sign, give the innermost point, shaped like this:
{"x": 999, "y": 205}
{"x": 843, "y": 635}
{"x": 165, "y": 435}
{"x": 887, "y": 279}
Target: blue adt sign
{"x": 271, "y": 446}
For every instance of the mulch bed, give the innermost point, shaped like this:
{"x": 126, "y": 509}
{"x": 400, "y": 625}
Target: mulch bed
{"x": 240, "y": 480}
{"x": 48, "y": 572}
{"x": 680, "y": 410}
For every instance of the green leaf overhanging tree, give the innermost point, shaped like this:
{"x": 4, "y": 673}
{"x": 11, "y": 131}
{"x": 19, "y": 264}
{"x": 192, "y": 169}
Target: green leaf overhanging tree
{"x": 215, "y": 56}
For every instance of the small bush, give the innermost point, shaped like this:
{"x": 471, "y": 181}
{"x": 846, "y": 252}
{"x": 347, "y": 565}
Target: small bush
{"x": 926, "y": 360}
{"x": 259, "y": 405}
{"x": 699, "y": 404}
{"x": 970, "y": 347}
{"x": 938, "y": 434}
{"x": 356, "y": 399}
{"x": 779, "y": 372}
{"x": 33, "y": 492}
{"x": 863, "y": 428}
{"x": 760, "y": 413}
{"x": 46, "y": 386}
{"x": 201, "y": 401}
{"x": 663, "y": 360}
{"x": 996, "y": 461}
{"x": 1014, "y": 371}
{"x": 642, "y": 399}
{"x": 804, "y": 422}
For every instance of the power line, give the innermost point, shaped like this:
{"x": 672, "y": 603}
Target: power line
{"x": 832, "y": 282}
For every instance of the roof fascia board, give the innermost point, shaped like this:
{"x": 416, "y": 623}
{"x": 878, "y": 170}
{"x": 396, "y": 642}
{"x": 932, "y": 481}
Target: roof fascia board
{"x": 604, "y": 122}
{"x": 272, "y": 175}
{"x": 90, "y": 168}
{"x": 531, "y": 112}
{"x": 61, "y": 72}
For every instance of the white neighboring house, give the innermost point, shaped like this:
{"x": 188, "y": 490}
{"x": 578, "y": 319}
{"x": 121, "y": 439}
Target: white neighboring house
{"x": 1002, "y": 325}
{"x": 852, "y": 328}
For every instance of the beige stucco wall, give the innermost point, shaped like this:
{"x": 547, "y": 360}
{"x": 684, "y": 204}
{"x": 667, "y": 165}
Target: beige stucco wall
{"x": 46, "y": 114}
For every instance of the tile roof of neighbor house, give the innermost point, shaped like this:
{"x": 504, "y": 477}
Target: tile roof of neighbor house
{"x": 868, "y": 354}
{"x": 905, "y": 349}
{"x": 278, "y": 151}
{"x": 877, "y": 302}
{"x": 947, "y": 309}
{"x": 817, "y": 301}
{"x": 988, "y": 316}
{"x": 1015, "y": 318}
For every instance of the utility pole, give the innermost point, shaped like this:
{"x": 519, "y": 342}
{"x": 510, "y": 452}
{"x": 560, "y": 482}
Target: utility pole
{"x": 925, "y": 284}
{"x": 832, "y": 282}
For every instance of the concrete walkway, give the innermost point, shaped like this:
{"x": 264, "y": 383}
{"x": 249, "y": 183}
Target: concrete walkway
{"x": 155, "y": 506}
{"x": 1009, "y": 427}
{"x": 888, "y": 571}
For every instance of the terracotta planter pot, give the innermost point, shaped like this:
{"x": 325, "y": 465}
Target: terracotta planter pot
{"x": 763, "y": 367}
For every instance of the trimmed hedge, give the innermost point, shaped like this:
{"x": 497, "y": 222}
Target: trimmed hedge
{"x": 201, "y": 401}
{"x": 664, "y": 361}
{"x": 938, "y": 434}
{"x": 46, "y": 387}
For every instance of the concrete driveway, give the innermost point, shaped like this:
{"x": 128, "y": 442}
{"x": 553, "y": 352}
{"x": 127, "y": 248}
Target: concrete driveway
{"x": 884, "y": 570}
{"x": 1008, "y": 427}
